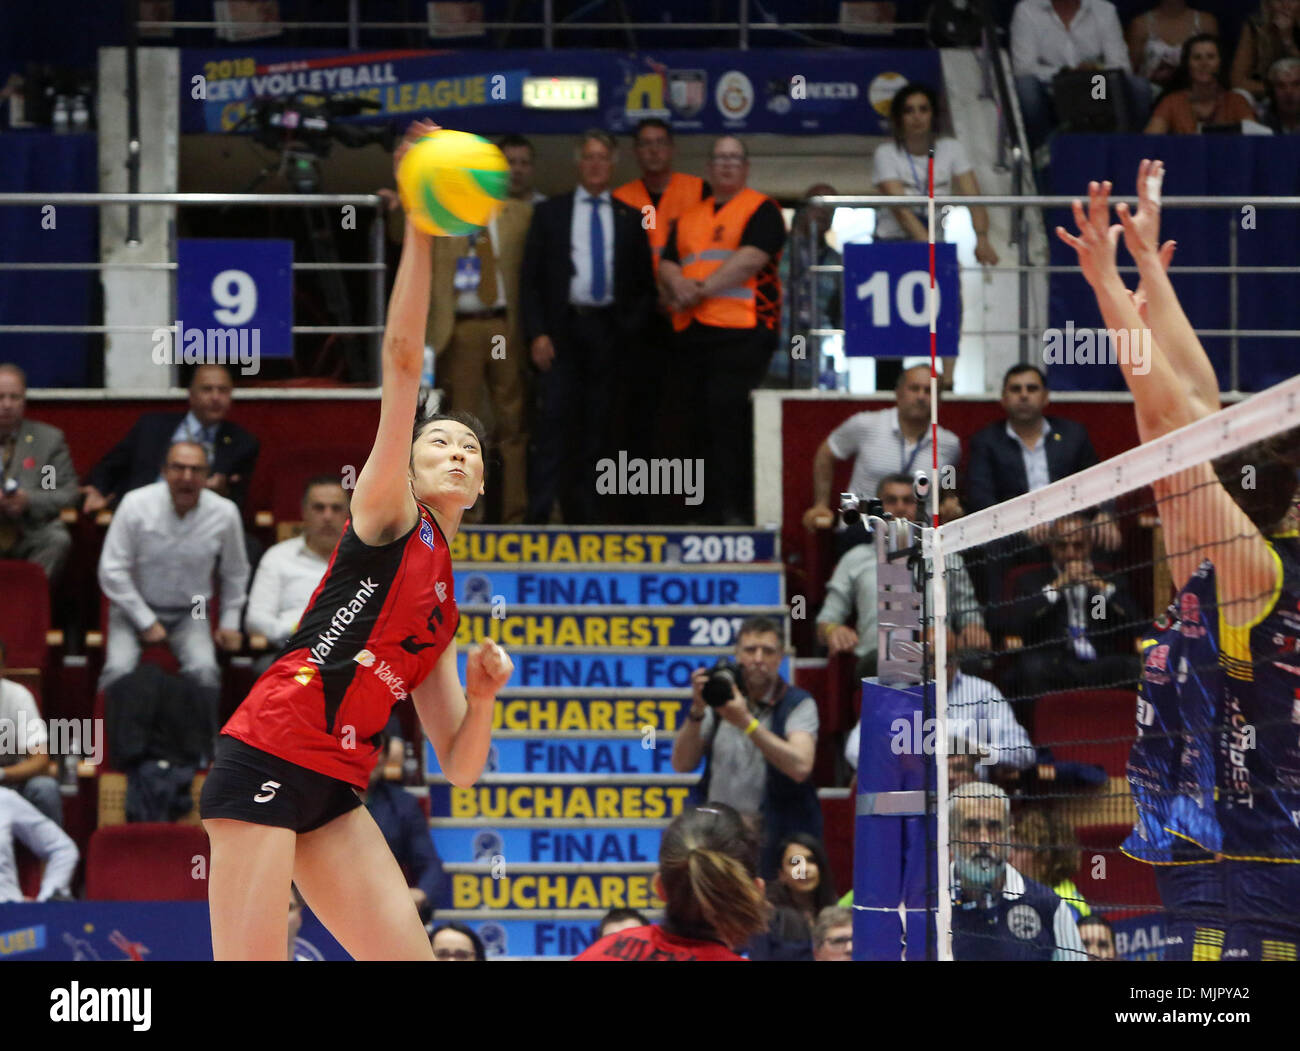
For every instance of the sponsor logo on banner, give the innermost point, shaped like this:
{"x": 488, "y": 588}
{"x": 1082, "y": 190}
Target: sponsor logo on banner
{"x": 734, "y": 95}
{"x": 478, "y": 588}
{"x": 645, "y": 95}
{"x": 882, "y": 90}
{"x": 687, "y": 91}
{"x": 487, "y": 844}
{"x": 494, "y": 938}
{"x": 1023, "y": 922}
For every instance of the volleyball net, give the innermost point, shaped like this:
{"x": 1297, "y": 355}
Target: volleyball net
{"x": 1106, "y": 712}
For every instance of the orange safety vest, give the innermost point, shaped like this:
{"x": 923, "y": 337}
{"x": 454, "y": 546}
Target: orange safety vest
{"x": 681, "y": 193}
{"x": 707, "y": 239}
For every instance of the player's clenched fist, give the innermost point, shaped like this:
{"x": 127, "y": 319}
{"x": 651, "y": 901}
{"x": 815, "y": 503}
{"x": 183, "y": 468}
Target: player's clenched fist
{"x": 487, "y": 669}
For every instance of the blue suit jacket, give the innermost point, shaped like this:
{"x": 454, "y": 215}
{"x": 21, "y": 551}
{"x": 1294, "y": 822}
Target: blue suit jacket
{"x": 995, "y": 468}
{"x": 137, "y": 459}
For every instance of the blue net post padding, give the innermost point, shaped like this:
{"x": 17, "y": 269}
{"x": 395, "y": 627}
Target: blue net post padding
{"x": 890, "y": 855}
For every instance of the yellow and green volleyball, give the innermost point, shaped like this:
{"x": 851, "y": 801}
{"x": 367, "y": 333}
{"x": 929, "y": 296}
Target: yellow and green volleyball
{"x": 452, "y": 182}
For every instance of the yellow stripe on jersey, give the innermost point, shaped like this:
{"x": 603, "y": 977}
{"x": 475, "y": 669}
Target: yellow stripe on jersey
{"x": 1234, "y": 639}
{"x": 1207, "y": 946}
{"x": 1270, "y": 950}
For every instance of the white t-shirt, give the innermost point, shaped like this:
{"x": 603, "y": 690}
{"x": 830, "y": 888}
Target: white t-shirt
{"x": 892, "y": 161}
{"x": 286, "y": 578}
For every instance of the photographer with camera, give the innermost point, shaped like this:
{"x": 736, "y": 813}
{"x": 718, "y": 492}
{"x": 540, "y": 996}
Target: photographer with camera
{"x": 757, "y": 734}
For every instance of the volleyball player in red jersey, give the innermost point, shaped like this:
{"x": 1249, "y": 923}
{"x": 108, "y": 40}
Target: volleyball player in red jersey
{"x": 281, "y": 801}
{"x": 707, "y": 879}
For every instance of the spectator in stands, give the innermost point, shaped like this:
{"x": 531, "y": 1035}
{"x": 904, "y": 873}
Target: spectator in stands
{"x": 1284, "y": 96}
{"x": 902, "y": 167}
{"x": 1199, "y": 94}
{"x": 708, "y": 881}
{"x": 758, "y": 747}
{"x": 987, "y": 737}
{"x": 475, "y": 333}
{"x": 586, "y": 289}
{"x": 718, "y": 273}
{"x": 37, "y": 481}
{"x": 999, "y": 913}
{"x": 289, "y": 572}
{"x": 455, "y": 941}
{"x": 21, "y": 821}
{"x": 156, "y": 570}
{"x": 520, "y": 157}
{"x": 1045, "y": 849}
{"x": 620, "y": 920}
{"x": 661, "y": 196}
{"x": 813, "y": 298}
{"x": 833, "y": 934}
{"x": 25, "y": 748}
{"x": 230, "y": 450}
{"x": 1156, "y": 38}
{"x": 1078, "y": 628}
{"x": 1024, "y": 452}
{"x": 887, "y": 441}
{"x": 1098, "y": 937}
{"x": 1271, "y": 34}
{"x": 804, "y": 880}
{"x": 853, "y": 586}
{"x": 406, "y": 830}
{"x": 1049, "y": 37}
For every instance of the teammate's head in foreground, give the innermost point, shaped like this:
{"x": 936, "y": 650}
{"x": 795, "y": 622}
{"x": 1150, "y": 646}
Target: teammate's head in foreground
{"x": 1261, "y": 478}
{"x": 708, "y": 876}
{"x": 1098, "y": 938}
{"x": 620, "y": 920}
{"x": 455, "y": 942}
{"x": 833, "y": 934}
{"x": 979, "y": 826}
{"x": 448, "y": 461}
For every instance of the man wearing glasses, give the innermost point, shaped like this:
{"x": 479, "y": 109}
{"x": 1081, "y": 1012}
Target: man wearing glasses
{"x": 718, "y": 274}
{"x": 157, "y": 567}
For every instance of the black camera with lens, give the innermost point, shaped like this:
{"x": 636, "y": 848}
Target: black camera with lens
{"x": 722, "y": 676}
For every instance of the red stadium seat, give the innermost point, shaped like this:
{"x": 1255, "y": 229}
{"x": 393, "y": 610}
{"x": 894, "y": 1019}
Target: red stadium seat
{"x": 1122, "y": 882}
{"x": 837, "y": 835}
{"x": 1087, "y": 726}
{"x": 24, "y": 613}
{"x": 291, "y": 468}
{"x": 146, "y": 862}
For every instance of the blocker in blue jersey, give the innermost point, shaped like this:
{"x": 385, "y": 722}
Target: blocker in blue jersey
{"x": 997, "y": 912}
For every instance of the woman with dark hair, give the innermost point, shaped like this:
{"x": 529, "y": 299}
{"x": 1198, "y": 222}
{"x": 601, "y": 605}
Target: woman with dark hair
{"x": 282, "y": 801}
{"x": 901, "y": 167}
{"x": 1199, "y": 93}
{"x": 708, "y": 881}
{"x": 455, "y": 941}
{"x": 1271, "y": 34}
{"x": 1156, "y": 38}
{"x": 804, "y": 883}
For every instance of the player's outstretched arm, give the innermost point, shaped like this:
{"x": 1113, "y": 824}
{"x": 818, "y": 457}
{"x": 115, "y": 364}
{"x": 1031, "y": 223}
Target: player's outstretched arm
{"x": 459, "y": 722}
{"x": 382, "y": 505}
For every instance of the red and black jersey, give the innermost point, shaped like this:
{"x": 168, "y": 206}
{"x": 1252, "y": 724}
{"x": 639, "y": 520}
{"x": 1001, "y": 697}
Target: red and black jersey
{"x": 638, "y": 944}
{"x": 373, "y": 630}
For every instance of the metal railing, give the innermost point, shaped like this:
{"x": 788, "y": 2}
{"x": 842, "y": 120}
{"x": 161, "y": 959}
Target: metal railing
{"x": 549, "y": 25}
{"x": 376, "y": 266}
{"x": 1231, "y": 270}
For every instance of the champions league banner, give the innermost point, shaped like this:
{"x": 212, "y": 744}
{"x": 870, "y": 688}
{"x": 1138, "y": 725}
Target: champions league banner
{"x": 794, "y": 92}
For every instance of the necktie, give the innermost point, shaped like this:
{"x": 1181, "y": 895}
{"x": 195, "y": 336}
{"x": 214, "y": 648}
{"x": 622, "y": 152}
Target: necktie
{"x": 597, "y": 252}
{"x": 487, "y": 269}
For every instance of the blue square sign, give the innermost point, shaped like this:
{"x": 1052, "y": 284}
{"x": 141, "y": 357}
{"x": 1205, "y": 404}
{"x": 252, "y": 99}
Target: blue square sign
{"x": 887, "y": 300}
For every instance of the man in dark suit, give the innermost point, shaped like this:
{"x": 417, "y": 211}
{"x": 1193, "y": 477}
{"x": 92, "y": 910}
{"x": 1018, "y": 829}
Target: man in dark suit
{"x": 586, "y": 289}
{"x": 38, "y": 481}
{"x": 1027, "y": 451}
{"x": 1078, "y": 627}
{"x": 137, "y": 459}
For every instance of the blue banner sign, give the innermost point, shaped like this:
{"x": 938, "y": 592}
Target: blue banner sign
{"x": 562, "y": 939}
{"x": 516, "y": 755}
{"x": 787, "y": 92}
{"x": 554, "y": 890}
{"x": 578, "y": 714}
{"x": 655, "y": 671}
{"x": 234, "y": 303}
{"x": 532, "y": 802}
{"x": 887, "y": 299}
{"x": 559, "y": 845}
{"x": 594, "y": 588}
{"x": 656, "y": 627}
{"x": 635, "y": 547}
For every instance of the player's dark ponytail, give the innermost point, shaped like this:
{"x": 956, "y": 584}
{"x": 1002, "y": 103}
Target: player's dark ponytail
{"x": 708, "y": 860}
